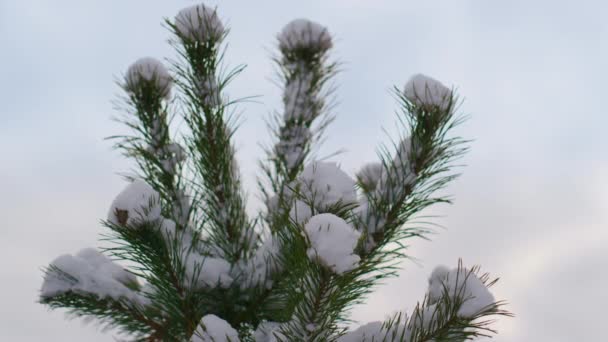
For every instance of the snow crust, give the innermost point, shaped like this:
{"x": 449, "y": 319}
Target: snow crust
{"x": 137, "y": 202}
{"x": 214, "y": 329}
{"x": 462, "y": 283}
{"x": 149, "y": 69}
{"x": 324, "y": 184}
{"x": 332, "y": 241}
{"x": 427, "y": 92}
{"x": 304, "y": 34}
{"x": 89, "y": 272}
{"x": 199, "y": 23}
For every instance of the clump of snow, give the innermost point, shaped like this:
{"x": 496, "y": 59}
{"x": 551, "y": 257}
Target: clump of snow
{"x": 461, "y": 283}
{"x": 427, "y": 92}
{"x": 214, "y": 329}
{"x": 332, "y": 242}
{"x": 89, "y": 272}
{"x": 136, "y": 203}
{"x": 304, "y": 34}
{"x": 268, "y": 332}
{"x": 106, "y": 266}
{"x": 148, "y": 69}
{"x": 207, "y": 271}
{"x": 369, "y": 175}
{"x": 199, "y": 23}
{"x": 325, "y": 185}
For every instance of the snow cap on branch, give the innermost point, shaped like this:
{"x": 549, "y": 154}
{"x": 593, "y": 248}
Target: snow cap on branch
{"x": 146, "y": 70}
{"x": 428, "y": 93}
{"x": 137, "y": 202}
{"x": 88, "y": 272}
{"x": 199, "y": 23}
{"x": 304, "y": 34}
{"x": 214, "y": 329}
{"x": 462, "y": 283}
{"x": 325, "y": 184}
{"x": 332, "y": 242}
{"x": 206, "y": 271}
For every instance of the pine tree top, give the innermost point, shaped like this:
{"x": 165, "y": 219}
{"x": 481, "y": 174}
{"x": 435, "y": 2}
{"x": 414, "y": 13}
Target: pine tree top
{"x": 201, "y": 269}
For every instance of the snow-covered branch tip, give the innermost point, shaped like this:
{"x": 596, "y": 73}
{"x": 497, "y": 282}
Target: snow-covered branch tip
{"x": 136, "y": 203}
{"x": 426, "y": 92}
{"x": 199, "y": 24}
{"x": 150, "y": 73}
{"x": 303, "y": 34}
{"x": 90, "y": 273}
{"x": 456, "y": 308}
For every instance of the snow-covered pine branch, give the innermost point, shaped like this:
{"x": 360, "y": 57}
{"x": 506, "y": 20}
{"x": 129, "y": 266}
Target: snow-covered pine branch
{"x": 199, "y": 33}
{"x": 148, "y": 85}
{"x": 187, "y": 264}
{"x": 456, "y": 308}
{"x": 304, "y": 71}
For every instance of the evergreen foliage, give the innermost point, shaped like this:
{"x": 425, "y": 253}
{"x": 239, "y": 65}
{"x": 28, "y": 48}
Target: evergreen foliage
{"x": 201, "y": 269}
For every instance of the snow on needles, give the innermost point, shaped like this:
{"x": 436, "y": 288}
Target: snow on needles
{"x": 214, "y": 329}
{"x": 369, "y": 175}
{"x": 332, "y": 242}
{"x": 268, "y": 332}
{"x": 325, "y": 185}
{"x": 304, "y": 34}
{"x": 88, "y": 272}
{"x": 199, "y": 270}
{"x": 137, "y": 202}
{"x": 427, "y": 92}
{"x": 199, "y": 23}
{"x": 369, "y": 332}
{"x": 462, "y": 283}
{"x": 148, "y": 69}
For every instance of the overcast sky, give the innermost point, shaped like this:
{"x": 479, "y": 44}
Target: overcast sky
{"x": 530, "y": 208}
